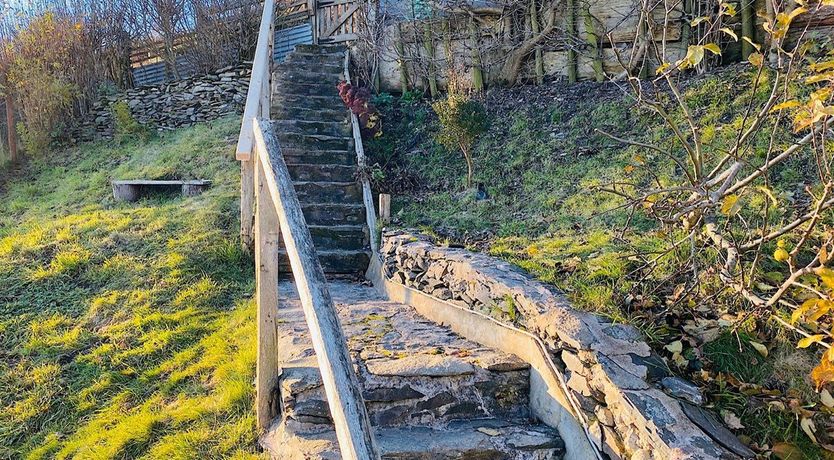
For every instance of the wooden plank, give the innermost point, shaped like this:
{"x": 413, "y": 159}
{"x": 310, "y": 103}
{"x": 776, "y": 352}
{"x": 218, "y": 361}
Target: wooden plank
{"x": 384, "y": 207}
{"x": 267, "y": 242}
{"x": 344, "y": 396}
{"x": 337, "y": 24}
{"x": 247, "y": 205}
{"x": 260, "y": 72}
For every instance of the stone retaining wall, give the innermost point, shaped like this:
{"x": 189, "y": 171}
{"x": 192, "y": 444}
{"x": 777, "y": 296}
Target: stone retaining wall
{"x": 637, "y": 409}
{"x": 173, "y": 105}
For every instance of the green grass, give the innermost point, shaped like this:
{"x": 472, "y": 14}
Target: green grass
{"x": 126, "y": 330}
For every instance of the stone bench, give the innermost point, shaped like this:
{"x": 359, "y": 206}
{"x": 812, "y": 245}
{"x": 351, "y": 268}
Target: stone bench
{"x": 132, "y": 190}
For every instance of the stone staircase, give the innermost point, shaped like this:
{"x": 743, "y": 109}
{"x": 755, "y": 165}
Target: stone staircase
{"x": 314, "y": 130}
{"x": 430, "y": 394}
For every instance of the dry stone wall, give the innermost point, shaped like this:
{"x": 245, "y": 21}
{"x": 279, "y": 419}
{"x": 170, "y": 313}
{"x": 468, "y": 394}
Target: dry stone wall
{"x": 636, "y": 407}
{"x": 173, "y": 105}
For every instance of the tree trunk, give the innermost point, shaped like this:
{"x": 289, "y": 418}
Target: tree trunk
{"x": 512, "y": 66}
{"x": 592, "y": 38}
{"x": 534, "y": 25}
{"x": 429, "y": 46}
{"x": 401, "y": 60}
{"x": 748, "y": 24}
{"x": 571, "y": 19}
{"x": 477, "y": 72}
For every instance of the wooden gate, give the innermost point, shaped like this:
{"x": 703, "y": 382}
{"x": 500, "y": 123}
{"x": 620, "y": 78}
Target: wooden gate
{"x": 335, "y": 21}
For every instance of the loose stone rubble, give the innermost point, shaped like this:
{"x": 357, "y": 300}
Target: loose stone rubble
{"x": 173, "y": 105}
{"x": 637, "y": 409}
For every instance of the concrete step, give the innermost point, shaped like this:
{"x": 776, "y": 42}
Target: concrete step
{"x": 491, "y": 439}
{"x": 334, "y": 262}
{"x": 305, "y": 172}
{"x": 413, "y": 371}
{"x": 314, "y": 141}
{"x": 322, "y": 128}
{"x": 329, "y": 192}
{"x": 333, "y": 214}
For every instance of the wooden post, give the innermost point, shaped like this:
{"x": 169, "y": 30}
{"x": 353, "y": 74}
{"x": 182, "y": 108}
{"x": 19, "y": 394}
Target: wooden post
{"x": 592, "y": 37}
{"x": 384, "y": 207}
{"x": 341, "y": 386}
{"x": 247, "y": 204}
{"x": 267, "y": 239}
{"x": 11, "y": 129}
{"x": 572, "y": 61}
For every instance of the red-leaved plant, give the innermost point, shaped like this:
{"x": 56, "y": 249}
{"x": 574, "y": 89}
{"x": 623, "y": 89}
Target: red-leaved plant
{"x": 358, "y": 100}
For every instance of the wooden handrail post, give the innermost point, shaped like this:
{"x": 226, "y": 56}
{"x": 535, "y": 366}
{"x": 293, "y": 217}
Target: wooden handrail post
{"x": 344, "y": 396}
{"x": 247, "y": 205}
{"x": 267, "y": 244}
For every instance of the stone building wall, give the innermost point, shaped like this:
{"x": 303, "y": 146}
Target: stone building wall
{"x": 637, "y": 409}
{"x": 173, "y": 105}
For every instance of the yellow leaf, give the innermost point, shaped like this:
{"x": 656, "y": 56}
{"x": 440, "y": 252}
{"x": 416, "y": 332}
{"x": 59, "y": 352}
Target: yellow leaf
{"x": 756, "y": 59}
{"x": 675, "y": 347}
{"x": 821, "y": 308}
{"x": 713, "y": 48}
{"x": 729, "y": 32}
{"x": 698, "y": 20}
{"x": 754, "y": 44}
{"x": 760, "y": 348}
{"x": 824, "y": 255}
{"x": 808, "y": 341}
{"x": 826, "y": 275}
{"x": 662, "y": 68}
{"x": 785, "y": 105}
{"x": 730, "y": 205}
{"x": 800, "y": 312}
{"x": 781, "y": 255}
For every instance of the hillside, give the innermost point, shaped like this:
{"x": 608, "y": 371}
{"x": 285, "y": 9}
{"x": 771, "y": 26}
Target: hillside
{"x": 126, "y": 330}
{"x": 545, "y": 164}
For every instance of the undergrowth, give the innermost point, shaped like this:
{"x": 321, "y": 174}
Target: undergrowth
{"x": 126, "y": 330}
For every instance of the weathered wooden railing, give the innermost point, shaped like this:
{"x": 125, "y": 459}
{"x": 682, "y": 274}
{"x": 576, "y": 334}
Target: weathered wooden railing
{"x": 367, "y": 194}
{"x": 278, "y": 207}
{"x": 258, "y": 101}
{"x": 270, "y": 213}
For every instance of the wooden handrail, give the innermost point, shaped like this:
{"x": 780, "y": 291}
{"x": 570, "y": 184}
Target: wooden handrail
{"x": 258, "y": 92}
{"x": 367, "y": 193}
{"x": 341, "y": 385}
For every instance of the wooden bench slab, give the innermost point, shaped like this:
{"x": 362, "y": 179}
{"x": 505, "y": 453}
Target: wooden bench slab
{"x": 132, "y": 190}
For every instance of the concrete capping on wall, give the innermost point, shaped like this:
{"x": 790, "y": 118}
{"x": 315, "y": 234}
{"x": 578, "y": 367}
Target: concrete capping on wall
{"x": 622, "y": 392}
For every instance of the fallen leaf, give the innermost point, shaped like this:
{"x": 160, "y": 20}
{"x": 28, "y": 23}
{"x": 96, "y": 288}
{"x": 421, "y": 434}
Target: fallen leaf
{"x": 808, "y": 341}
{"x": 826, "y": 398}
{"x": 785, "y": 451}
{"x": 675, "y": 347}
{"x": 732, "y": 420}
{"x": 760, "y": 348}
{"x": 808, "y": 427}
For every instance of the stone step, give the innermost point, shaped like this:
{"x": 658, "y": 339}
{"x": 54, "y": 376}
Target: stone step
{"x": 329, "y": 192}
{"x": 314, "y": 141}
{"x": 315, "y": 70}
{"x": 305, "y": 88}
{"x": 340, "y": 237}
{"x": 293, "y": 156}
{"x": 322, "y": 172}
{"x": 333, "y": 214}
{"x": 319, "y": 49}
{"x": 294, "y": 75}
{"x": 322, "y": 102}
{"x": 413, "y": 371}
{"x": 465, "y": 440}
{"x": 332, "y": 60}
{"x": 324, "y": 128}
{"x": 295, "y": 112}
{"x": 335, "y": 262}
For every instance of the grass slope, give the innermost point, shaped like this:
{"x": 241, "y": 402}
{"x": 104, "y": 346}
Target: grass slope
{"x": 126, "y": 330}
